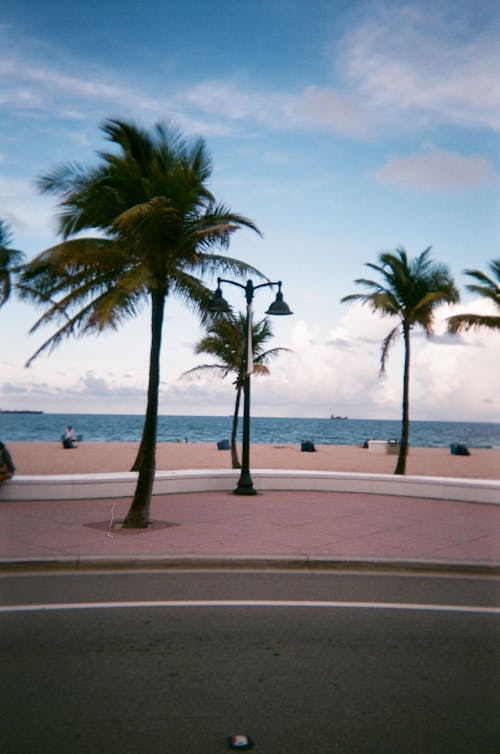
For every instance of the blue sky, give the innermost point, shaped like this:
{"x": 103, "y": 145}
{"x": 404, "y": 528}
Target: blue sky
{"x": 341, "y": 128}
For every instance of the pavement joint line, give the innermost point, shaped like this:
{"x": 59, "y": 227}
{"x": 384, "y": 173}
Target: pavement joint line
{"x": 311, "y": 604}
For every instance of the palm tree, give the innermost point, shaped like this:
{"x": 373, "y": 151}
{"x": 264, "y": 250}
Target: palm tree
{"x": 158, "y": 224}
{"x": 10, "y": 262}
{"x": 488, "y": 288}
{"x": 225, "y": 339}
{"x": 410, "y": 291}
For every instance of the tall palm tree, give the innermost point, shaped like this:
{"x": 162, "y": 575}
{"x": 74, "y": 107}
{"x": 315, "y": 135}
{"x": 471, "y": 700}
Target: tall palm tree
{"x": 410, "y": 290}
{"x": 158, "y": 224}
{"x": 226, "y": 340}
{"x": 10, "y": 262}
{"x": 488, "y": 288}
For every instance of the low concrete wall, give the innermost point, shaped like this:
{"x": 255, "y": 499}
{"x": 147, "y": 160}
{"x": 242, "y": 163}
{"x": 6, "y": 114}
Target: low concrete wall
{"x": 91, "y": 486}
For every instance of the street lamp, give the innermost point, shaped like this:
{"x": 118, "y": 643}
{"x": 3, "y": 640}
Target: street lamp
{"x": 219, "y": 305}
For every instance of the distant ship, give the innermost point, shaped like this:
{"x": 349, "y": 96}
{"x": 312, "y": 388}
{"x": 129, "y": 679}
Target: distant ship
{"x": 338, "y": 417}
{"x": 18, "y": 411}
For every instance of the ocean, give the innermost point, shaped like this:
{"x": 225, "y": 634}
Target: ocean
{"x": 128, "y": 428}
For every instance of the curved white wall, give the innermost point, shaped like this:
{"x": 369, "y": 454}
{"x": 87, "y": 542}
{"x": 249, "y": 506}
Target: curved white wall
{"x": 91, "y": 486}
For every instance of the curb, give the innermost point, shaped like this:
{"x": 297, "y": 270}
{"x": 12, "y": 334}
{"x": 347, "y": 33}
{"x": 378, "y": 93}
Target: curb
{"x": 247, "y": 563}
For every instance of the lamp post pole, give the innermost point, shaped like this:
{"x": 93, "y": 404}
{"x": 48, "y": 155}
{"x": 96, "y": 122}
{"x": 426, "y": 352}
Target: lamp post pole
{"x": 219, "y": 305}
{"x": 245, "y": 483}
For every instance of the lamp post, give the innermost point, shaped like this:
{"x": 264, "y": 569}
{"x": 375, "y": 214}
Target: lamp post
{"x": 219, "y": 305}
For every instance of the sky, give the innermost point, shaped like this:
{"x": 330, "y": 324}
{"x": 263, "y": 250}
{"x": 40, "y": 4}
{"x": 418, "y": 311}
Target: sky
{"x": 343, "y": 129}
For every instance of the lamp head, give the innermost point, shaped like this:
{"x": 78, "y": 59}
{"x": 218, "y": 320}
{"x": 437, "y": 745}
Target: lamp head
{"x": 218, "y": 304}
{"x": 279, "y": 306}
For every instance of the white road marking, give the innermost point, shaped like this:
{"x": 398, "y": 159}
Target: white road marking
{"x": 54, "y": 606}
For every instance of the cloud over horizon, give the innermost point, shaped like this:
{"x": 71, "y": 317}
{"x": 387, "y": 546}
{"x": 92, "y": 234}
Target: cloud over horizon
{"x": 437, "y": 170}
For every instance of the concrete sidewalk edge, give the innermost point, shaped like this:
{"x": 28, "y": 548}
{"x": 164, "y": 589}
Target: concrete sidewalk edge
{"x": 246, "y": 562}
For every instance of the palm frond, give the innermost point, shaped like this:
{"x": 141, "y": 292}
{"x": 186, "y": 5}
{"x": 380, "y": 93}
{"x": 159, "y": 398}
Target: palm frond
{"x": 200, "y": 161}
{"x": 486, "y": 291}
{"x": 488, "y": 288}
{"x": 68, "y": 329}
{"x": 224, "y": 265}
{"x": 361, "y": 297}
{"x": 386, "y": 345}
{"x": 261, "y": 358}
{"x": 462, "y": 322}
{"x": 63, "y": 179}
{"x": 217, "y": 369}
{"x": 261, "y": 369}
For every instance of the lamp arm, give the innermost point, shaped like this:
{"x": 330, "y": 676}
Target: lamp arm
{"x": 268, "y": 285}
{"x": 231, "y": 282}
{"x": 254, "y": 287}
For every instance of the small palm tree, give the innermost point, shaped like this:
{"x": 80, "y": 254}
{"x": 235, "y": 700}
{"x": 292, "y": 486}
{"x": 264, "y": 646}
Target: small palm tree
{"x": 10, "y": 262}
{"x": 158, "y": 224}
{"x": 488, "y": 288}
{"x": 410, "y": 291}
{"x": 225, "y": 339}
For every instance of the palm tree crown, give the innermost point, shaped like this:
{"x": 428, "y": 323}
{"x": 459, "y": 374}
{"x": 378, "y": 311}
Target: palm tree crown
{"x": 488, "y": 288}
{"x": 10, "y": 262}
{"x": 225, "y": 339}
{"x": 158, "y": 224}
{"x": 409, "y": 290}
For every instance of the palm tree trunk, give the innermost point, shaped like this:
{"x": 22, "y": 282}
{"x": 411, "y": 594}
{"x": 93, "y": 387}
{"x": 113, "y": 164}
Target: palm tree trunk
{"x": 234, "y": 450}
{"x": 405, "y": 422}
{"x": 138, "y": 515}
{"x": 137, "y": 463}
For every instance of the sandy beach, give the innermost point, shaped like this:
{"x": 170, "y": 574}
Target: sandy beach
{"x": 93, "y": 457}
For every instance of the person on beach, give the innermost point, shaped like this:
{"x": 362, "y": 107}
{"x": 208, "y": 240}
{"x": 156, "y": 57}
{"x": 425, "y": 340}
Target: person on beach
{"x": 69, "y": 437}
{"x": 7, "y": 467}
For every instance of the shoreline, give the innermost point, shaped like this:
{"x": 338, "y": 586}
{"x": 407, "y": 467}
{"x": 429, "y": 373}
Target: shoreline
{"x": 49, "y": 458}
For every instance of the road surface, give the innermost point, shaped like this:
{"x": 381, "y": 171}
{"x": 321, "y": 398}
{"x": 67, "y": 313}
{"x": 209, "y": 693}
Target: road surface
{"x": 174, "y": 662}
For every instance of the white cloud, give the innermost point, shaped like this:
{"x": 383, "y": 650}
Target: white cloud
{"x": 30, "y": 216}
{"x": 457, "y": 378}
{"x": 44, "y": 79}
{"x": 432, "y": 62}
{"x": 323, "y": 376}
{"x": 409, "y": 65}
{"x": 86, "y": 93}
{"x": 439, "y": 170}
{"x": 332, "y": 110}
{"x": 312, "y": 108}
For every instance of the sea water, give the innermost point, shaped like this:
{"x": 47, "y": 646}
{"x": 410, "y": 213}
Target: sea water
{"x": 282, "y": 430}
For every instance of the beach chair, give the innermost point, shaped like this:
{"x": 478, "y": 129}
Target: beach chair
{"x": 458, "y": 449}
{"x": 307, "y": 446}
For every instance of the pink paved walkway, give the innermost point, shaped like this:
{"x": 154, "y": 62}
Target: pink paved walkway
{"x": 293, "y": 526}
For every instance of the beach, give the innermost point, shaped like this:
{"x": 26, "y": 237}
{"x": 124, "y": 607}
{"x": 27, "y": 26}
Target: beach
{"x": 100, "y": 457}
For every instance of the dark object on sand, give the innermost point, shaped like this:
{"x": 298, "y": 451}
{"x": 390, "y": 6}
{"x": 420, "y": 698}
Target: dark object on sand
{"x": 457, "y": 449}
{"x": 307, "y": 446}
{"x": 223, "y": 445}
{"x": 7, "y": 467}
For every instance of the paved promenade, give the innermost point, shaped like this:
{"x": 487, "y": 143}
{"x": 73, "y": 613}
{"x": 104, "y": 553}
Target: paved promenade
{"x": 284, "y": 528}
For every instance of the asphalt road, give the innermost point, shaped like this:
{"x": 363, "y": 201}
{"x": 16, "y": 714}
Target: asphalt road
{"x": 302, "y": 662}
